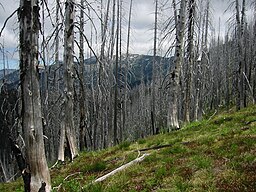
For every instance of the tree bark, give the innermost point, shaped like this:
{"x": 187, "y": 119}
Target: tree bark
{"x": 190, "y": 57}
{"x": 82, "y": 124}
{"x": 172, "y": 118}
{"x": 68, "y": 134}
{"x": 153, "y": 104}
{"x": 240, "y": 81}
{"x": 115, "y": 139}
{"x": 30, "y": 93}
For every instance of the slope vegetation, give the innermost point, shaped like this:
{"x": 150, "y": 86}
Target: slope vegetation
{"x": 215, "y": 154}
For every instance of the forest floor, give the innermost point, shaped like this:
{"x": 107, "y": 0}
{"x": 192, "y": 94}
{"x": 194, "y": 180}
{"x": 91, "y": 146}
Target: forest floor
{"x": 215, "y": 154}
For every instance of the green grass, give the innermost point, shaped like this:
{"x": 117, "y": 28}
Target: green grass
{"x": 209, "y": 155}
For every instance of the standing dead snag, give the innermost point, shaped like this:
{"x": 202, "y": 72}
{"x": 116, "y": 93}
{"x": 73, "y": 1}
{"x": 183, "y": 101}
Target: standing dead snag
{"x": 172, "y": 118}
{"x": 153, "y": 97}
{"x": 67, "y": 128}
{"x": 115, "y": 126}
{"x": 190, "y": 57}
{"x": 30, "y": 95}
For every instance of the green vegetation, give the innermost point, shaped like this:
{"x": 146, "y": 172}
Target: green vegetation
{"x": 211, "y": 155}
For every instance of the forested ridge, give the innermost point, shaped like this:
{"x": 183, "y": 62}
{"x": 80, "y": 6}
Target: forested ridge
{"x": 80, "y": 88}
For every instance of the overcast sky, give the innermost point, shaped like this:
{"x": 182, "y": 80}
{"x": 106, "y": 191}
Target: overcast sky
{"x": 142, "y": 25}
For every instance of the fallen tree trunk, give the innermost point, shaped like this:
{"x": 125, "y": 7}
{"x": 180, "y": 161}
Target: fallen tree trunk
{"x": 156, "y": 147}
{"x": 137, "y": 160}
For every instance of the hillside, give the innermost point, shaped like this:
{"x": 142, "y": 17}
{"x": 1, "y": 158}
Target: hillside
{"x": 215, "y": 154}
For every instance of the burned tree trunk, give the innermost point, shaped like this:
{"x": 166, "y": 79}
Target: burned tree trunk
{"x": 172, "y": 118}
{"x": 67, "y": 130}
{"x": 30, "y": 95}
{"x": 190, "y": 58}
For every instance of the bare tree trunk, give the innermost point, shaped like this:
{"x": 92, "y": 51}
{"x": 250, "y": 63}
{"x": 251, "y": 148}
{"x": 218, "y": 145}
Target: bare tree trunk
{"x": 121, "y": 128}
{"x": 172, "y": 118}
{"x": 243, "y": 51}
{"x": 200, "y": 62}
{"x": 57, "y": 75}
{"x": 111, "y": 109}
{"x": 254, "y": 56}
{"x": 190, "y": 57}
{"x": 68, "y": 116}
{"x": 30, "y": 93}
{"x": 207, "y": 23}
{"x": 116, "y": 78}
{"x": 125, "y": 109}
{"x": 240, "y": 82}
{"x": 153, "y": 104}
{"x": 205, "y": 56}
{"x": 227, "y": 73}
{"x": 82, "y": 124}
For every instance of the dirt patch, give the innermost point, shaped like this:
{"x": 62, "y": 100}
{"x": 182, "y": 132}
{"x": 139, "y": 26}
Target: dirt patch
{"x": 185, "y": 172}
{"x": 249, "y": 179}
{"x": 191, "y": 144}
{"x": 243, "y": 179}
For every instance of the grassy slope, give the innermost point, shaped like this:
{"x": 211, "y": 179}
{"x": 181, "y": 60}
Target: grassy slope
{"x": 210, "y": 155}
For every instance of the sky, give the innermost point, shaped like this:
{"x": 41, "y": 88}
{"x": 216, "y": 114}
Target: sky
{"x": 142, "y": 26}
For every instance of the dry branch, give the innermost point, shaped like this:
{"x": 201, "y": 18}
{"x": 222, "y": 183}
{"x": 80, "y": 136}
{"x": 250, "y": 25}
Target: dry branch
{"x": 137, "y": 160}
{"x": 156, "y": 147}
{"x": 7, "y": 21}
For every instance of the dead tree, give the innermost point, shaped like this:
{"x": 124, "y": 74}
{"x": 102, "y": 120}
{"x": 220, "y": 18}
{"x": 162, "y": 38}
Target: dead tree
{"x": 30, "y": 96}
{"x": 190, "y": 58}
{"x": 153, "y": 99}
{"x": 241, "y": 62}
{"x": 115, "y": 138}
{"x": 67, "y": 136}
{"x": 82, "y": 124}
{"x": 172, "y": 118}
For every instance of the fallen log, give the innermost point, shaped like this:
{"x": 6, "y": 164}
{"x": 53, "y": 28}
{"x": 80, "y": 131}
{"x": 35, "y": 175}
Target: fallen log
{"x": 249, "y": 122}
{"x": 137, "y": 160}
{"x": 156, "y": 147}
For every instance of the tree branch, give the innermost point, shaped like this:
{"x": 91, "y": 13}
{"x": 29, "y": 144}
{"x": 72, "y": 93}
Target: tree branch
{"x": 7, "y": 21}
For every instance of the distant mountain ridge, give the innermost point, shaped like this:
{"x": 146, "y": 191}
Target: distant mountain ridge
{"x": 4, "y": 72}
{"x": 140, "y": 69}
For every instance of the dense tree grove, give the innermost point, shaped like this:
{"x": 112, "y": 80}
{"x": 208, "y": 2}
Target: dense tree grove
{"x": 100, "y": 95}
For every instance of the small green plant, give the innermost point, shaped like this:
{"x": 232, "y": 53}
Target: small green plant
{"x": 249, "y": 158}
{"x": 131, "y": 157}
{"x": 221, "y": 119}
{"x": 202, "y": 162}
{"x": 72, "y": 185}
{"x": 97, "y": 166}
{"x": 180, "y": 184}
{"x": 124, "y": 145}
{"x": 195, "y": 125}
{"x": 141, "y": 141}
{"x": 152, "y": 182}
{"x": 151, "y": 158}
{"x": 93, "y": 187}
{"x": 161, "y": 172}
{"x": 176, "y": 149}
{"x": 20, "y": 189}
